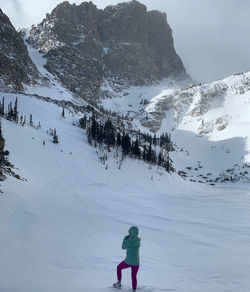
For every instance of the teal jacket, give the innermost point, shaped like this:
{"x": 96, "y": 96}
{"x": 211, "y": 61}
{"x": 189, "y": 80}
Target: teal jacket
{"x": 131, "y": 243}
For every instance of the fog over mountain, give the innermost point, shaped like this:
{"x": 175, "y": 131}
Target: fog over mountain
{"x": 210, "y": 36}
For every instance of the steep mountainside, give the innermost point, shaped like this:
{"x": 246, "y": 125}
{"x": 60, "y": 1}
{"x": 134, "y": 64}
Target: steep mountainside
{"x": 206, "y": 108}
{"x": 16, "y": 66}
{"x": 210, "y": 123}
{"x": 91, "y": 50}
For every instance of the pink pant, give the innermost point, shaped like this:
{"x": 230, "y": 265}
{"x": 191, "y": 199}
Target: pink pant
{"x": 134, "y": 270}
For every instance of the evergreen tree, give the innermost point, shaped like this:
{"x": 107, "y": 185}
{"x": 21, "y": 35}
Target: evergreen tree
{"x": 55, "y": 137}
{"x": 31, "y": 121}
{"x": 154, "y": 140}
{"x": 153, "y": 159}
{"x": 160, "y": 159}
{"x": 1, "y": 133}
{"x": 126, "y": 144}
{"x": 2, "y": 107}
{"x": 109, "y": 133}
{"x": 15, "y": 114}
{"x": 63, "y": 113}
{"x": 100, "y": 133}
{"x": 136, "y": 149}
{"x": 93, "y": 126}
{"x": 89, "y": 135}
{"x": 144, "y": 154}
{"x": 24, "y": 121}
{"x": 118, "y": 139}
{"x": 167, "y": 165}
{"x": 83, "y": 122}
{"x": 10, "y": 114}
{"x": 149, "y": 153}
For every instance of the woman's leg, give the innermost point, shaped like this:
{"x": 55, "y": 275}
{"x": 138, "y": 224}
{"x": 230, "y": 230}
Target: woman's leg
{"x": 120, "y": 267}
{"x": 134, "y": 270}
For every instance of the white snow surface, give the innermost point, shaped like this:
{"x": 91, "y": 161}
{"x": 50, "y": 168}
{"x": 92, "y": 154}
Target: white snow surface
{"x": 61, "y": 230}
{"x": 51, "y": 87}
{"x": 210, "y": 122}
{"x": 130, "y": 101}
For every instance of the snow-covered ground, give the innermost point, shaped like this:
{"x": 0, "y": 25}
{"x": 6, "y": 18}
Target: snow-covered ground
{"x": 50, "y": 86}
{"x": 61, "y": 230}
{"x": 133, "y": 100}
{"x": 209, "y": 123}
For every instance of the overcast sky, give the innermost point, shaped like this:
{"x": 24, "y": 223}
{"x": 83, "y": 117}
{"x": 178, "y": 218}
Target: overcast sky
{"x": 211, "y": 36}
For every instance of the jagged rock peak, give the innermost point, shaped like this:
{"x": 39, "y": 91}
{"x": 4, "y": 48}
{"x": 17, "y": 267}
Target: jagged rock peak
{"x": 121, "y": 44}
{"x": 16, "y": 66}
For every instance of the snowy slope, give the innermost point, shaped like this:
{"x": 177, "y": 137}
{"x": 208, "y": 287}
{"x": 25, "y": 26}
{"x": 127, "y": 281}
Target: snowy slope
{"x": 61, "y": 230}
{"x": 133, "y": 100}
{"x": 50, "y": 86}
{"x": 208, "y": 123}
{"x": 218, "y": 115}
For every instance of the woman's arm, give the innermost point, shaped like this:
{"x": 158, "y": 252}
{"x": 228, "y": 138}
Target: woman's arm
{"x": 125, "y": 242}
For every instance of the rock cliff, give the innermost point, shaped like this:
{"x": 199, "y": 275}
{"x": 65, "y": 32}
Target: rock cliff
{"x": 16, "y": 67}
{"x": 122, "y": 45}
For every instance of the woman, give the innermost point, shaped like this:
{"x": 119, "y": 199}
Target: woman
{"x": 131, "y": 243}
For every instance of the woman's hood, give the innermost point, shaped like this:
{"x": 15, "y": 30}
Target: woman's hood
{"x": 133, "y": 231}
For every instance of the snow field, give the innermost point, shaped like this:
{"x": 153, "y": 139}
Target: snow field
{"x": 62, "y": 229}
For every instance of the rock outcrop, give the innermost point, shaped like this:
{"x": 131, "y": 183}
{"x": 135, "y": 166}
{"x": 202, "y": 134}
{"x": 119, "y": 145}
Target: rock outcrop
{"x": 16, "y": 67}
{"x": 122, "y": 45}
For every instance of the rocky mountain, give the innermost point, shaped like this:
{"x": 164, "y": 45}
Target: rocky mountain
{"x": 193, "y": 105}
{"x": 16, "y": 67}
{"x": 91, "y": 50}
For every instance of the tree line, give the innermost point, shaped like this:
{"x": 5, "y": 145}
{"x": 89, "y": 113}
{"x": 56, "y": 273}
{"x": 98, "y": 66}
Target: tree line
{"x": 140, "y": 145}
{"x": 12, "y": 114}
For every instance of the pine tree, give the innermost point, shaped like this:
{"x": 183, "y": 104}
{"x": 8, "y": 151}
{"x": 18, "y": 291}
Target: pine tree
{"x": 15, "y": 114}
{"x": 55, "y": 137}
{"x": 93, "y": 126}
{"x": 89, "y": 136}
{"x": 136, "y": 149}
{"x": 144, "y": 154}
{"x": 2, "y": 142}
{"x": 63, "y": 113}
{"x": 109, "y": 133}
{"x": 31, "y": 121}
{"x": 83, "y": 122}
{"x": 24, "y": 121}
{"x": 126, "y": 144}
{"x": 2, "y": 107}
{"x": 160, "y": 160}
{"x": 1, "y": 133}
{"x": 118, "y": 139}
{"x": 10, "y": 113}
{"x": 167, "y": 165}
{"x": 149, "y": 153}
{"x": 154, "y": 140}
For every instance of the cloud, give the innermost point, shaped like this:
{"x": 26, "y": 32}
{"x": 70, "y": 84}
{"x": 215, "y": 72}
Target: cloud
{"x": 16, "y": 4}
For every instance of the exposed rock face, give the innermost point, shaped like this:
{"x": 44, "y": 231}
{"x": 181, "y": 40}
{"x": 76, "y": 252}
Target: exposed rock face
{"x": 16, "y": 66}
{"x": 140, "y": 44}
{"x": 209, "y": 106}
{"x": 123, "y": 45}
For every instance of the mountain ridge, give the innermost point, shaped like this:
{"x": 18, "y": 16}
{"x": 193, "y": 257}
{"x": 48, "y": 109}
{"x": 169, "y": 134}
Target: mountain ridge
{"x": 89, "y": 49}
{"x": 16, "y": 67}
